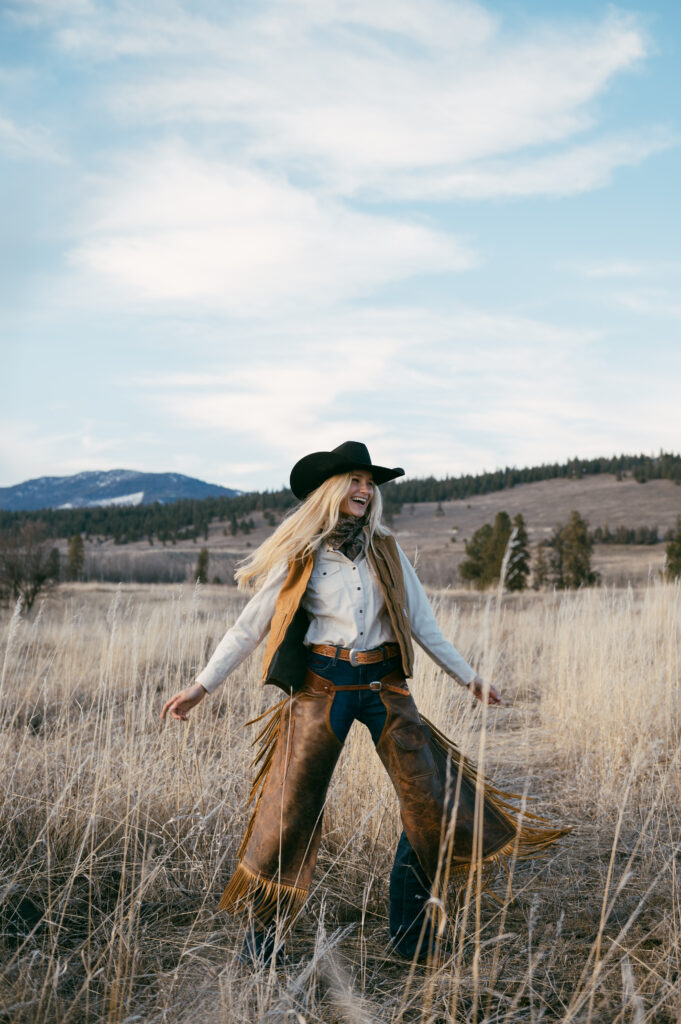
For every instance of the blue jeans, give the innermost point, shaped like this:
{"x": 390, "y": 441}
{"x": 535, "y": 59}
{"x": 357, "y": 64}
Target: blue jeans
{"x": 409, "y": 887}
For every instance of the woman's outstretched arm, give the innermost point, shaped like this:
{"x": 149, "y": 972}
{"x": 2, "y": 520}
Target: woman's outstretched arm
{"x": 239, "y": 641}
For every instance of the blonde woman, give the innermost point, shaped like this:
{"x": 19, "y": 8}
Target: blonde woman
{"x": 340, "y": 603}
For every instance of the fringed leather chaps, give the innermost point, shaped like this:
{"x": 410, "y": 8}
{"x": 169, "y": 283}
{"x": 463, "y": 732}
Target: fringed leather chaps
{"x": 454, "y": 819}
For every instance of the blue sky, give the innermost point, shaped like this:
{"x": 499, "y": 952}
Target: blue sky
{"x": 234, "y": 233}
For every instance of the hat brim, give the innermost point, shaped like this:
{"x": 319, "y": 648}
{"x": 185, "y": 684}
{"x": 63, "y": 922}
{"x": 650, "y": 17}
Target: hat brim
{"x": 312, "y": 470}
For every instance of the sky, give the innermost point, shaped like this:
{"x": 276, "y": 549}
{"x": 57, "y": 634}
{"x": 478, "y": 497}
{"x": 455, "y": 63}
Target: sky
{"x": 237, "y": 232}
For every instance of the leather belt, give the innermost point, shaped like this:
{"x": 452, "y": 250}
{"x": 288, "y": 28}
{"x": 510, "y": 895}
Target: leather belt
{"x": 318, "y": 684}
{"x": 358, "y": 657}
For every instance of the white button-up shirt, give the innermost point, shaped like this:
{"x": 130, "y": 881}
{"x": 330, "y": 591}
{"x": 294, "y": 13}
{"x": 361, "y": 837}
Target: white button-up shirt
{"x": 346, "y": 607}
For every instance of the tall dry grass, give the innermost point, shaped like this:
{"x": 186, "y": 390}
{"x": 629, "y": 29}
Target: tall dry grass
{"x": 117, "y": 833}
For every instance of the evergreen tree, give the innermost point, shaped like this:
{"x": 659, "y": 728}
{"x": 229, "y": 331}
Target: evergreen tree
{"x": 518, "y": 566}
{"x": 201, "y": 574}
{"x": 474, "y": 567}
{"x": 571, "y": 561}
{"x": 486, "y": 550}
{"x": 53, "y": 569}
{"x": 672, "y": 561}
{"x": 541, "y": 568}
{"x": 76, "y": 558}
{"x": 501, "y": 534}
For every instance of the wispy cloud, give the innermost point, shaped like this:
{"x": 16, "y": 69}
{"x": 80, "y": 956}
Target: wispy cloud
{"x": 651, "y": 301}
{"x": 569, "y": 171}
{"x": 26, "y": 143}
{"x": 456, "y": 379}
{"x": 168, "y": 226}
{"x": 381, "y": 99}
{"x": 387, "y": 98}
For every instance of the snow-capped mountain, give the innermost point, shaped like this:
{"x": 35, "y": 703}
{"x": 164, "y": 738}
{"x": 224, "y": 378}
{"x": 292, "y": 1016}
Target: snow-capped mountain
{"x": 114, "y": 487}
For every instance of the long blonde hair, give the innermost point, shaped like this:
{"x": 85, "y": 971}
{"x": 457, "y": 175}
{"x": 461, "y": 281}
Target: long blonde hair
{"x": 304, "y": 529}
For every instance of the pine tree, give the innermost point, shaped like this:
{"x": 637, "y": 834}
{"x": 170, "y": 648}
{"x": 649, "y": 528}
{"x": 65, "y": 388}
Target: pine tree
{"x": 201, "y": 574}
{"x": 540, "y": 569}
{"x": 571, "y": 560}
{"x": 486, "y": 550}
{"x": 53, "y": 569}
{"x": 477, "y": 549}
{"x": 672, "y": 561}
{"x": 76, "y": 558}
{"x": 518, "y": 565}
{"x": 501, "y": 534}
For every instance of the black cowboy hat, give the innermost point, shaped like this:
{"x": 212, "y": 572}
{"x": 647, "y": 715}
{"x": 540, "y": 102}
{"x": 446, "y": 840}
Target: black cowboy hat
{"x": 312, "y": 470}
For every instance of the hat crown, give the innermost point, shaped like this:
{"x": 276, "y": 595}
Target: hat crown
{"x": 351, "y": 450}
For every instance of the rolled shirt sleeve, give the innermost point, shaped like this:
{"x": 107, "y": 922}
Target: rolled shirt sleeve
{"x": 427, "y": 633}
{"x": 248, "y": 631}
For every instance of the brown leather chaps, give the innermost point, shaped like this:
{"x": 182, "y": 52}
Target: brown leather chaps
{"x": 454, "y": 819}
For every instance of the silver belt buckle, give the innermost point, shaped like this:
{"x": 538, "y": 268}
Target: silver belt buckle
{"x": 352, "y": 657}
{"x": 376, "y": 687}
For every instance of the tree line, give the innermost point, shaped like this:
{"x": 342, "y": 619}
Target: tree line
{"x": 630, "y": 535}
{"x": 189, "y": 519}
{"x": 499, "y": 553}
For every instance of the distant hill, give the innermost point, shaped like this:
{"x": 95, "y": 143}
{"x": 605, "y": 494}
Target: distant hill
{"x": 117, "y": 487}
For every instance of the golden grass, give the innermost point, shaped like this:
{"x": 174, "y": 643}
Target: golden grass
{"x": 118, "y": 833}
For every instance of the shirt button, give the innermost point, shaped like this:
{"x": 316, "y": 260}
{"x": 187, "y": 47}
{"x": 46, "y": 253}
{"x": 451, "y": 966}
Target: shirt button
{"x": 359, "y": 588}
{"x": 361, "y": 610}
{"x": 361, "y": 632}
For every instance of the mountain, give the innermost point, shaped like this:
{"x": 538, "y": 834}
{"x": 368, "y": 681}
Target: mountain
{"x": 114, "y": 487}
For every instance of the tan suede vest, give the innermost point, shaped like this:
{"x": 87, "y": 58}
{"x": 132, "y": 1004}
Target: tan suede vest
{"x": 385, "y": 560}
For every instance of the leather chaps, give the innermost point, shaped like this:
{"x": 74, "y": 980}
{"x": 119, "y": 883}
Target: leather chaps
{"x": 455, "y": 820}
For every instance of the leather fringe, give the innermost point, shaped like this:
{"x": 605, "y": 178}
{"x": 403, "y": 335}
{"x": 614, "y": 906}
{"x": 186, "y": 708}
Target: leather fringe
{"x": 246, "y": 891}
{"x": 532, "y": 834}
{"x": 266, "y": 898}
{"x": 267, "y": 738}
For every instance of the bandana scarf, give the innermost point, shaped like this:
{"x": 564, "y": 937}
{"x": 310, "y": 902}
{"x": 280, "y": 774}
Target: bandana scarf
{"x": 348, "y": 536}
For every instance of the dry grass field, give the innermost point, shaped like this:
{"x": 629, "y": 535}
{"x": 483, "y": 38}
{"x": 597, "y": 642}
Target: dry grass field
{"x": 118, "y": 832}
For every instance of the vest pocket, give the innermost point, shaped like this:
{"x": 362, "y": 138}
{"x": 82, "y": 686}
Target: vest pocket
{"x": 414, "y": 760}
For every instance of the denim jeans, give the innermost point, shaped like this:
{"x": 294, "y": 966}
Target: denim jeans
{"x": 409, "y": 887}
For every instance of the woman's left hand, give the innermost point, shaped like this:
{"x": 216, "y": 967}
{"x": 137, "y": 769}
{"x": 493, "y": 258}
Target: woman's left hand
{"x": 184, "y": 701}
{"x": 485, "y": 692}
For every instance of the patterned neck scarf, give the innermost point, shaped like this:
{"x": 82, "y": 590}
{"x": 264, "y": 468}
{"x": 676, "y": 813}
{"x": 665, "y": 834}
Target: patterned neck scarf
{"x": 348, "y": 536}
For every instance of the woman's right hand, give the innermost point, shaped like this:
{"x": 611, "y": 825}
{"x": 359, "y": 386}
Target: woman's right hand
{"x": 485, "y": 692}
{"x": 184, "y": 701}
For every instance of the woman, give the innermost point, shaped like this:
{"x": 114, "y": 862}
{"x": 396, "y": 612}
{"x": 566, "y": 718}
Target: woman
{"x": 340, "y": 604}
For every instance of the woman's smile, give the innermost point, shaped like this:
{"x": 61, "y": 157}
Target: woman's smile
{"x": 360, "y": 493}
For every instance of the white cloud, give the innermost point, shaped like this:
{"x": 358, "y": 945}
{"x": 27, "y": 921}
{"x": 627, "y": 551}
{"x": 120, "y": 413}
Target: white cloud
{"x": 579, "y": 168}
{"x": 29, "y": 450}
{"x": 386, "y": 98}
{"x": 657, "y": 302}
{"x": 435, "y": 393}
{"x": 613, "y": 268}
{"x": 24, "y": 143}
{"x": 383, "y": 99}
{"x": 169, "y": 227}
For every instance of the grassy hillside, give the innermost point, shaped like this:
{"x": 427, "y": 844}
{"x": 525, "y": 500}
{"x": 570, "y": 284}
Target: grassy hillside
{"x": 427, "y": 535}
